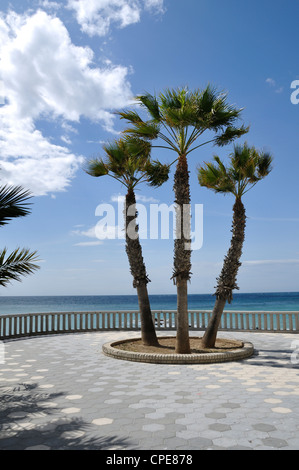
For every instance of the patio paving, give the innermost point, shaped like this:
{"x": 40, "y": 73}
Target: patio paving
{"x": 60, "y": 392}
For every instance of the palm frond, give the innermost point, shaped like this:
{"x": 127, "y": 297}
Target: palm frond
{"x": 130, "y": 116}
{"x": 157, "y": 173}
{"x": 180, "y": 116}
{"x": 216, "y": 177}
{"x": 173, "y": 99}
{"x": 96, "y": 167}
{"x": 128, "y": 160}
{"x": 240, "y": 156}
{"x": 13, "y": 203}
{"x": 150, "y": 103}
{"x": 205, "y": 100}
{"x": 264, "y": 165}
{"x": 144, "y": 130}
{"x": 223, "y": 114}
{"x": 209, "y": 175}
{"x": 137, "y": 148}
{"x": 19, "y": 263}
{"x": 230, "y": 134}
{"x": 247, "y": 167}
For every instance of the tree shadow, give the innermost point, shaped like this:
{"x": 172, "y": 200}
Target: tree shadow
{"x": 22, "y": 403}
{"x": 273, "y": 358}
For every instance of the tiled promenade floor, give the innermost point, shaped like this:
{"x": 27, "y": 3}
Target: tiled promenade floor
{"x": 61, "y": 392}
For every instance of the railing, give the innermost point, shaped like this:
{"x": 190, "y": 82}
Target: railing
{"x": 22, "y": 325}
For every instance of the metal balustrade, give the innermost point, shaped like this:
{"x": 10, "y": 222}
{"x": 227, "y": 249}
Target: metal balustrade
{"x": 22, "y": 325}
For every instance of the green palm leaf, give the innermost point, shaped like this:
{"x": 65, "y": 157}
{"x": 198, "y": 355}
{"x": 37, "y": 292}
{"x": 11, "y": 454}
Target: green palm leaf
{"x": 157, "y": 173}
{"x": 230, "y": 134}
{"x": 247, "y": 167}
{"x": 13, "y": 203}
{"x": 144, "y": 130}
{"x": 19, "y": 263}
{"x": 96, "y": 167}
{"x": 130, "y": 116}
{"x": 264, "y": 165}
{"x": 180, "y": 116}
{"x": 129, "y": 161}
{"x": 151, "y": 104}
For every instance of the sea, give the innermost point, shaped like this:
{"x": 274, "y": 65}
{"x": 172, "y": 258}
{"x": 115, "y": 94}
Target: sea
{"x": 268, "y": 302}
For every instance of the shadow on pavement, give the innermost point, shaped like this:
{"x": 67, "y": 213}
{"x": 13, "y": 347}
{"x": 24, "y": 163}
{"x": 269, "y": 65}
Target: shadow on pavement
{"x": 28, "y": 419}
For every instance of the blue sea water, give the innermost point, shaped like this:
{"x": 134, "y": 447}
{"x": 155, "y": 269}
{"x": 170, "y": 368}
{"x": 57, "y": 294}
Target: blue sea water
{"x": 286, "y": 301}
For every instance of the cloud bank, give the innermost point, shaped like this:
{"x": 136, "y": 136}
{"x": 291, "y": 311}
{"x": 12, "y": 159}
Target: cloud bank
{"x": 95, "y": 17}
{"x": 46, "y": 77}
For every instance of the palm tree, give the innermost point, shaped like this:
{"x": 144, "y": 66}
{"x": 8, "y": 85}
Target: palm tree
{"x": 13, "y": 204}
{"x": 247, "y": 167}
{"x": 179, "y": 118}
{"x": 128, "y": 161}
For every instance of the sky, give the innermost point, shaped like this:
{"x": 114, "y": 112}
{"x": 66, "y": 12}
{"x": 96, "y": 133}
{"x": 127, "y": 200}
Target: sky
{"x": 67, "y": 66}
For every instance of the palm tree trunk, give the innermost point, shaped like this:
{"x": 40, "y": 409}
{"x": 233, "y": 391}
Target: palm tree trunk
{"x": 226, "y": 282}
{"x": 138, "y": 271}
{"x": 182, "y": 253}
{"x": 209, "y": 338}
{"x": 182, "y": 337}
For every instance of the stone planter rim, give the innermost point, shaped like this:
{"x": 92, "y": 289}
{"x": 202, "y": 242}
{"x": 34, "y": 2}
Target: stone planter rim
{"x": 110, "y": 350}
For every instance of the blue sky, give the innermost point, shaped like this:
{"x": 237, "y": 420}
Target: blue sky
{"x": 67, "y": 66}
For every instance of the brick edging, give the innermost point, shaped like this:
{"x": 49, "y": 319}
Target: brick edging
{"x": 201, "y": 358}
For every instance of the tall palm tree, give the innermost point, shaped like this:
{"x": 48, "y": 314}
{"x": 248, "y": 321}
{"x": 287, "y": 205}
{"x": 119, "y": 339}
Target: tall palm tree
{"x": 179, "y": 118}
{"x": 128, "y": 161}
{"x": 247, "y": 167}
{"x": 13, "y": 204}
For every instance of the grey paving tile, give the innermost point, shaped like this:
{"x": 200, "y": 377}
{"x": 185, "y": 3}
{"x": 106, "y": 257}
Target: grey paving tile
{"x": 220, "y": 427}
{"x": 219, "y": 406}
{"x": 274, "y": 443}
{"x": 215, "y": 415}
{"x": 264, "y": 427}
{"x": 199, "y": 443}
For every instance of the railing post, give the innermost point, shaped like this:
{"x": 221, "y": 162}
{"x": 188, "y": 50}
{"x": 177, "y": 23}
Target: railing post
{"x": 20, "y": 325}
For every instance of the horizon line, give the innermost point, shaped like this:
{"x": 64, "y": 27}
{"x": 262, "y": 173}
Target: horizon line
{"x": 135, "y": 295}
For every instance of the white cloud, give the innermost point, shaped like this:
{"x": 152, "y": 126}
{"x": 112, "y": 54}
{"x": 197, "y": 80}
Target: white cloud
{"x": 139, "y": 199}
{"x": 118, "y": 198}
{"x": 50, "y": 5}
{"x": 270, "y": 81}
{"x": 46, "y": 76}
{"x": 90, "y": 233}
{"x": 96, "y": 16}
{"x": 66, "y": 139}
{"x": 69, "y": 128}
{"x": 270, "y": 262}
{"x": 275, "y": 219}
{"x": 95, "y": 243}
{"x": 99, "y": 233}
{"x": 52, "y": 76}
{"x": 156, "y": 5}
{"x": 273, "y": 84}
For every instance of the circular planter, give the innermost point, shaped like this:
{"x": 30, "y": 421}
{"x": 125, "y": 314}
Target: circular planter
{"x": 236, "y": 354}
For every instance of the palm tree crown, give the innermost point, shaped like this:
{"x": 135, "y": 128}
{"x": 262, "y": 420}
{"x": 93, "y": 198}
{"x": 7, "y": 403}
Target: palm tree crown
{"x": 128, "y": 160}
{"x": 179, "y": 117}
{"x": 247, "y": 167}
